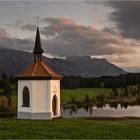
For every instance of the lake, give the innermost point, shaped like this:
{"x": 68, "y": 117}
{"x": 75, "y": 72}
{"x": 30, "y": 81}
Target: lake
{"x": 104, "y": 111}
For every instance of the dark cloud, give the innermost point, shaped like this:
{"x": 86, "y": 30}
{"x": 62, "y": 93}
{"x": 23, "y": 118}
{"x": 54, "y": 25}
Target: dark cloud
{"x": 14, "y": 43}
{"x": 127, "y": 16}
{"x": 65, "y": 37}
{"x": 18, "y": 44}
{"x": 111, "y": 30}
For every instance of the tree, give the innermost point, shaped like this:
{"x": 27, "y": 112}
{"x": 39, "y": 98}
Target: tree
{"x": 7, "y": 91}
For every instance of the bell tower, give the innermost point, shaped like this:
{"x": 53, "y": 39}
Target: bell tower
{"x": 38, "y": 88}
{"x": 38, "y": 47}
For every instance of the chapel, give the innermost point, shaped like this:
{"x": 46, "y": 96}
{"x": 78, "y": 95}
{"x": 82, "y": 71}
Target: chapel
{"x": 38, "y": 88}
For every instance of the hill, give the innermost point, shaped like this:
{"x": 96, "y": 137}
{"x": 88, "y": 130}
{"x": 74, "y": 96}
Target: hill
{"x": 14, "y": 61}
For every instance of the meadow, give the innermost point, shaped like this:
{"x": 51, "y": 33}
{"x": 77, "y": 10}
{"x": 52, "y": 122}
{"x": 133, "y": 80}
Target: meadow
{"x": 69, "y": 129}
{"x": 80, "y": 93}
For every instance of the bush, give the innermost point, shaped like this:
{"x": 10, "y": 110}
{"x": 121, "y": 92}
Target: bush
{"x": 3, "y": 103}
{"x": 115, "y": 93}
{"x": 73, "y": 101}
{"x": 100, "y": 97}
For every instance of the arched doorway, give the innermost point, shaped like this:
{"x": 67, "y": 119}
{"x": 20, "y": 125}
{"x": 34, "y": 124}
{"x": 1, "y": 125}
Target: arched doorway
{"x": 26, "y": 97}
{"x": 54, "y": 105}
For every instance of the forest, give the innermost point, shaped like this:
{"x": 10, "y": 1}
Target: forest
{"x": 72, "y": 82}
{"x": 8, "y": 84}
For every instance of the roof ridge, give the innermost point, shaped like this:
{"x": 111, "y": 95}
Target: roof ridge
{"x": 34, "y": 68}
{"x": 45, "y": 68}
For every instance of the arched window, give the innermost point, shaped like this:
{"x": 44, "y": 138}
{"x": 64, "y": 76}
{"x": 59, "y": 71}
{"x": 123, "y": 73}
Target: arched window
{"x": 54, "y": 105}
{"x": 26, "y": 97}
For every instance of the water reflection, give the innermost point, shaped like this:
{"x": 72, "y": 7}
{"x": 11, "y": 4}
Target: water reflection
{"x": 111, "y": 109}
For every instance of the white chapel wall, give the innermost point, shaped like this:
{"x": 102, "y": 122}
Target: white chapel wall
{"x": 55, "y": 90}
{"x": 40, "y": 96}
{"x": 21, "y": 85}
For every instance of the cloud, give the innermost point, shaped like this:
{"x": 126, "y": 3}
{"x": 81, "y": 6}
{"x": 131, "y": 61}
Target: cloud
{"x": 119, "y": 59}
{"x": 65, "y": 37}
{"x": 58, "y": 21}
{"x": 18, "y": 44}
{"x": 18, "y": 23}
{"x": 3, "y": 33}
{"x": 132, "y": 69}
{"x": 14, "y": 43}
{"x": 29, "y": 27}
{"x": 127, "y": 17}
{"x": 111, "y": 30}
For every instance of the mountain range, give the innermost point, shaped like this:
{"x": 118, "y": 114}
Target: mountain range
{"x": 14, "y": 61}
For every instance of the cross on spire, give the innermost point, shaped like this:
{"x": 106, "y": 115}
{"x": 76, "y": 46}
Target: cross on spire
{"x": 37, "y": 20}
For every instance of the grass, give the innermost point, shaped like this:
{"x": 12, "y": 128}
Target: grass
{"x": 79, "y": 94}
{"x": 11, "y": 128}
{"x": 69, "y": 129}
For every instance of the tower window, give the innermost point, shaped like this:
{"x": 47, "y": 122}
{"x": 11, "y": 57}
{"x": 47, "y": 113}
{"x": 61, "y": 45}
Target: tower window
{"x": 26, "y": 97}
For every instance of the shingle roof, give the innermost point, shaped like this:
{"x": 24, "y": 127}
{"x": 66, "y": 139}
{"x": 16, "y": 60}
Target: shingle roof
{"x": 38, "y": 70}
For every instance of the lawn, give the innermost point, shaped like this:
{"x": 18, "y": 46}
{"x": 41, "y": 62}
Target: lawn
{"x": 69, "y": 129}
{"x": 79, "y": 94}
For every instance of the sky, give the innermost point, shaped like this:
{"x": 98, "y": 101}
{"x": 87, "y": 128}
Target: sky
{"x": 102, "y": 29}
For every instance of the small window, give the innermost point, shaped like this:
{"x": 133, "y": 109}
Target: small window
{"x": 26, "y": 97}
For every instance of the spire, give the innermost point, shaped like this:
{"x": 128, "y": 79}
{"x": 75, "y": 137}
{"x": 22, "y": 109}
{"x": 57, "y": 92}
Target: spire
{"x": 38, "y": 47}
